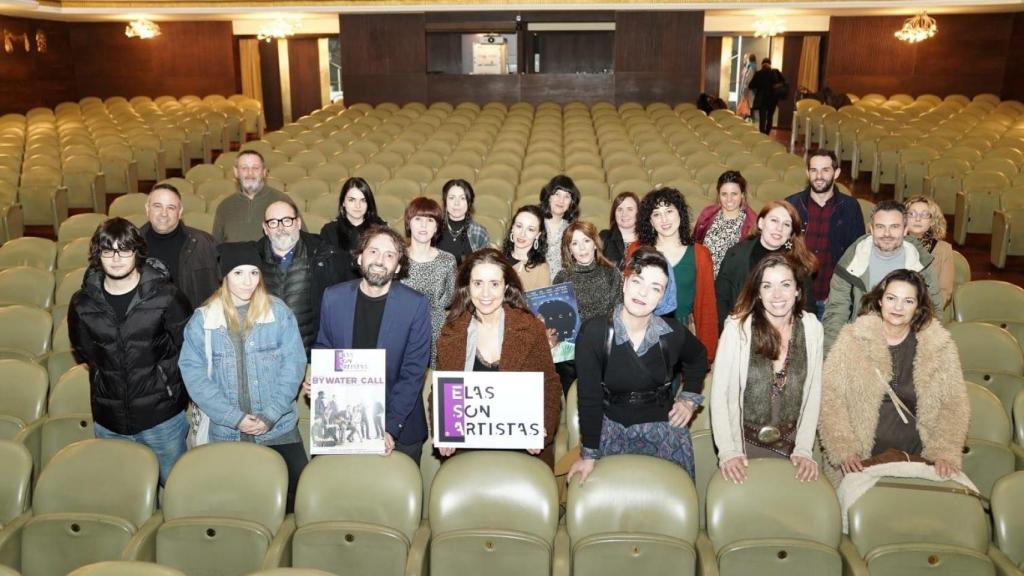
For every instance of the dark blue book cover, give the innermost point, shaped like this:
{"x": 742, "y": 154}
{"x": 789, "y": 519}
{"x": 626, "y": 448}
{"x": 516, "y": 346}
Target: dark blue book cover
{"x": 556, "y": 306}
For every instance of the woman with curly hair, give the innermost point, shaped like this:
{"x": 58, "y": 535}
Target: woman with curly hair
{"x": 560, "y": 202}
{"x": 926, "y": 223}
{"x": 664, "y": 223}
{"x": 526, "y": 245}
{"x": 779, "y": 229}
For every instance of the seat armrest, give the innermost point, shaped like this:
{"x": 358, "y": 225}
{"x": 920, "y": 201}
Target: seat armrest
{"x": 31, "y": 437}
{"x": 279, "y": 555}
{"x": 562, "y": 559}
{"x": 142, "y": 546}
{"x": 10, "y": 541}
{"x": 417, "y": 564}
{"x": 1004, "y": 566}
{"x": 853, "y": 564}
{"x": 707, "y": 560}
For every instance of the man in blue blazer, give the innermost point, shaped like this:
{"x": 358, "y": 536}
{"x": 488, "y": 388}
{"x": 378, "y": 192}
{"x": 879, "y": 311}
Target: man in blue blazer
{"x": 374, "y": 312}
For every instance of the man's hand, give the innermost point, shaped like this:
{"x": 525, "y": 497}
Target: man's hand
{"x": 389, "y": 444}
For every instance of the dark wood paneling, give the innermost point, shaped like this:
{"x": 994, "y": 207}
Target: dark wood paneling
{"x": 658, "y": 56}
{"x": 1013, "y": 83}
{"x": 377, "y": 88}
{"x": 967, "y": 56}
{"x": 480, "y": 89}
{"x": 30, "y": 79}
{"x": 712, "y": 65}
{"x": 304, "y": 72}
{"x": 383, "y": 57}
{"x": 565, "y": 88}
{"x": 444, "y": 53}
{"x": 792, "y": 49}
{"x": 270, "y": 80}
{"x": 188, "y": 58}
{"x": 576, "y": 52}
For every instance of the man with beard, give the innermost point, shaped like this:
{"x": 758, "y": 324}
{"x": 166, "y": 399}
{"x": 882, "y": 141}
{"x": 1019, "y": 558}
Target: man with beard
{"x": 239, "y": 216}
{"x": 885, "y": 249}
{"x": 127, "y": 324}
{"x": 832, "y": 220}
{"x": 296, "y": 266}
{"x": 377, "y": 312}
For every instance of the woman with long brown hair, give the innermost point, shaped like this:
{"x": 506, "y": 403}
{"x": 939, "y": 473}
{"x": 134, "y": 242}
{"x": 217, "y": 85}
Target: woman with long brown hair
{"x": 766, "y": 388}
{"x": 779, "y": 229}
{"x": 490, "y": 328}
{"x": 621, "y": 232}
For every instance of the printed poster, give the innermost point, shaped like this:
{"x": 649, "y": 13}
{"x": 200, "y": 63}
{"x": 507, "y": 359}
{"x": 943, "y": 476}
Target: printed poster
{"x": 489, "y": 410}
{"x": 556, "y": 306}
{"x": 347, "y": 402}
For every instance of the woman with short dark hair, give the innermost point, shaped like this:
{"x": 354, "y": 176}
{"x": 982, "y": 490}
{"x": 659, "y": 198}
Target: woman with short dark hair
{"x": 431, "y": 270}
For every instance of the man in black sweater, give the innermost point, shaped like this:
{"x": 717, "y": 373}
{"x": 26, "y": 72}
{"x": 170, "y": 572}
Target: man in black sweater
{"x": 766, "y": 99}
{"x": 190, "y": 255}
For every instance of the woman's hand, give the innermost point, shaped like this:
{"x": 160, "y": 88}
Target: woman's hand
{"x": 446, "y": 452}
{"x": 583, "y": 467}
{"x": 252, "y": 425}
{"x": 306, "y": 388}
{"x": 806, "y": 469}
{"x": 681, "y": 412}
{"x": 851, "y": 464}
{"x": 734, "y": 469}
{"x": 945, "y": 468}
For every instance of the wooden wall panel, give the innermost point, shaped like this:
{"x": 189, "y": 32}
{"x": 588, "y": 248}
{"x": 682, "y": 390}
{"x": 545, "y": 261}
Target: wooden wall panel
{"x": 188, "y": 58}
{"x": 565, "y": 88}
{"x": 444, "y": 53}
{"x": 967, "y": 56}
{"x": 658, "y": 56}
{"x": 30, "y": 79}
{"x": 712, "y": 65}
{"x": 1013, "y": 83}
{"x": 270, "y": 80}
{"x": 791, "y": 50}
{"x": 304, "y": 69}
{"x": 576, "y": 52}
{"x": 383, "y": 57}
{"x": 480, "y": 89}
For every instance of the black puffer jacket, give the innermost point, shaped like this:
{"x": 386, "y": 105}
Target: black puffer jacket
{"x": 313, "y": 270}
{"x": 133, "y": 366}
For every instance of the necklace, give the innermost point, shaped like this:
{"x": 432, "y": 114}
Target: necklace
{"x": 779, "y": 380}
{"x": 456, "y": 234}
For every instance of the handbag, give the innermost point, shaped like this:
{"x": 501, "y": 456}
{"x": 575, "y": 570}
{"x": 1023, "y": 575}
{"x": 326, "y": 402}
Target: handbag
{"x": 780, "y": 88}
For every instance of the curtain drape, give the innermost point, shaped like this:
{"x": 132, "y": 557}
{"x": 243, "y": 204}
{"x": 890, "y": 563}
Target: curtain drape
{"x": 249, "y": 55}
{"x": 809, "y": 60}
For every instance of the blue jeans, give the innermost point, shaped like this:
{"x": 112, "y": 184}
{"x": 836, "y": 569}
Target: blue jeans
{"x": 166, "y": 440}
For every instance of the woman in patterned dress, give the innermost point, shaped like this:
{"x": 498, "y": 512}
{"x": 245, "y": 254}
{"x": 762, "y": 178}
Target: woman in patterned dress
{"x": 628, "y": 363}
{"x": 431, "y": 271}
{"x": 728, "y": 221}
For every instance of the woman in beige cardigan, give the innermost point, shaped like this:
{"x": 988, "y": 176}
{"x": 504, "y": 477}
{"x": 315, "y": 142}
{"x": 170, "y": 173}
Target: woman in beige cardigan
{"x": 893, "y": 381}
{"x": 766, "y": 387}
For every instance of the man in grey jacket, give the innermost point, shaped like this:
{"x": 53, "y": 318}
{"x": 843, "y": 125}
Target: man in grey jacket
{"x": 884, "y": 249}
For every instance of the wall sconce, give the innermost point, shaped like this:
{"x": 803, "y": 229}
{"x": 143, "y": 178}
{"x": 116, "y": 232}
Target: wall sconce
{"x": 142, "y": 29}
{"x": 11, "y": 37}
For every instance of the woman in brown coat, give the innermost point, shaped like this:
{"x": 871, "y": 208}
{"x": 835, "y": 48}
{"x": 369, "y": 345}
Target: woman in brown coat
{"x": 491, "y": 328}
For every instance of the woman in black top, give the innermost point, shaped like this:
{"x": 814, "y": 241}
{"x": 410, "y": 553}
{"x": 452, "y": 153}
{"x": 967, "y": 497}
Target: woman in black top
{"x": 627, "y": 365}
{"x": 621, "y": 232}
{"x": 357, "y": 211}
{"x": 460, "y": 234}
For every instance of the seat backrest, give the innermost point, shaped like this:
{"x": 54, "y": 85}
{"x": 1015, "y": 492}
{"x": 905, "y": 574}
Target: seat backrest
{"x": 223, "y": 504}
{"x": 26, "y": 285}
{"x": 494, "y": 512}
{"x": 79, "y": 226}
{"x": 631, "y": 503}
{"x": 15, "y": 480}
{"x": 773, "y": 522}
{"x": 988, "y": 301}
{"x": 29, "y": 251}
{"x": 901, "y": 530}
{"x": 986, "y": 347}
{"x": 23, "y": 389}
{"x": 1006, "y": 517}
{"x": 125, "y": 568}
{"x": 373, "y": 502}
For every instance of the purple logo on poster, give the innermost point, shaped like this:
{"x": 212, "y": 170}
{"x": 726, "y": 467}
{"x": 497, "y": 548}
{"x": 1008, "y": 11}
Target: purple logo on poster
{"x": 344, "y": 361}
{"x": 453, "y": 409}
{"x": 339, "y": 360}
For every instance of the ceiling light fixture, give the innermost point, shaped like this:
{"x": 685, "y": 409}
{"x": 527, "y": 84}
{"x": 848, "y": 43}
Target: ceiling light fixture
{"x": 917, "y": 28}
{"x": 142, "y": 29}
{"x": 278, "y": 29}
{"x": 768, "y": 26}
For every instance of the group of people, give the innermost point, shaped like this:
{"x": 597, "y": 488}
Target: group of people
{"x": 786, "y": 304}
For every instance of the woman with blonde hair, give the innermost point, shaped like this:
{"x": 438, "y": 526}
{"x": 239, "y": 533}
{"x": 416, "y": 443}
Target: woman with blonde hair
{"x": 927, "y": 224}
{"x": 243, "y": 362}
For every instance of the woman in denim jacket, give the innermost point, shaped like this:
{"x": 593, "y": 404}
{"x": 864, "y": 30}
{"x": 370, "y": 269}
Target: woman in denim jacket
{"x": 242, "y": 316}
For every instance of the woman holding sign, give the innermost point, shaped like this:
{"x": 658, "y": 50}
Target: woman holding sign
{"x": 490, "y": 329}
{"x": 627, "y": 364}
{"x": 243, "y": 362}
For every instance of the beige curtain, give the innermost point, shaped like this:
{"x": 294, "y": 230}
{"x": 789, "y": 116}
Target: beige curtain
{"x": 810, "y": 55}
{"x": 252, "y": 80}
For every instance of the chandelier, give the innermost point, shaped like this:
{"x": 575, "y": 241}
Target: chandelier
{"x": 917, "y": 28}
{"x": 767, "y": 27}
{"x": 278, "y": 29}
{"x": 142, "y": 29}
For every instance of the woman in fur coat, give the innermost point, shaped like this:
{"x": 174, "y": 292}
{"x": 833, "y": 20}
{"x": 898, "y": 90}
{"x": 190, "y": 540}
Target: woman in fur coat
{"x": 893, "y": 381}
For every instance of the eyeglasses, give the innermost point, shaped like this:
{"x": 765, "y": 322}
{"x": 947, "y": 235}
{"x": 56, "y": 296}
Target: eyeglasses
{"x": 287, "y": 222}
{"x": 108, "y": 254}
{"x": 920, "y": 215}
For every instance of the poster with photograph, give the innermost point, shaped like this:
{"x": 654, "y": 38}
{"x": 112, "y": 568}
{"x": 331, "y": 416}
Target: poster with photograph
{"x": 556, "y": 306}
{"x": 489, "y": 410}
{"x": 347, "y": 402}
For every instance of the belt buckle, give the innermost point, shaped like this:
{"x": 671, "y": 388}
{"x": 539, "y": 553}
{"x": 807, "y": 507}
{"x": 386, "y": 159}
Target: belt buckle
{"x": 769, "y": 434}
